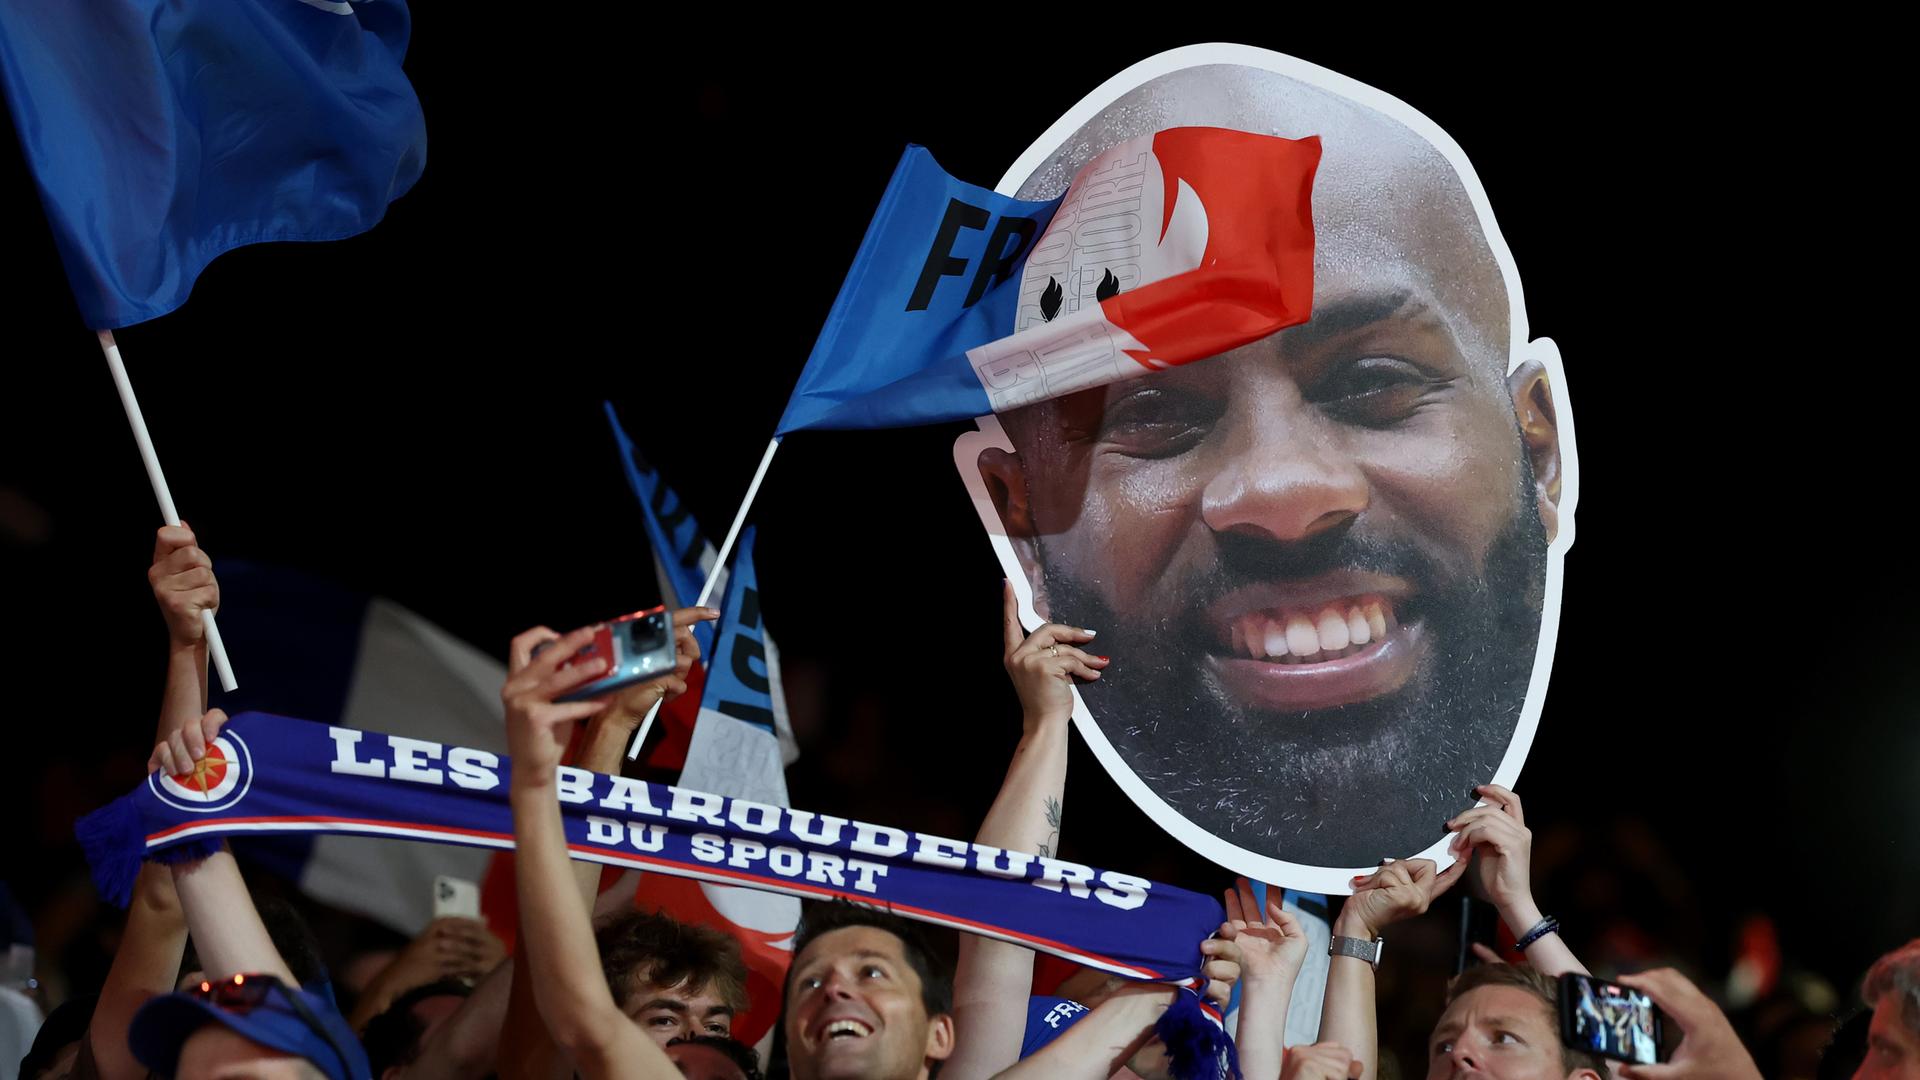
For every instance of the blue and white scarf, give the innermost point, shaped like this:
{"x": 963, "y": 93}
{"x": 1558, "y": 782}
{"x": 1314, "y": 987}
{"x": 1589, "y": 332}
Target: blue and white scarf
{"x": 271, "y": 775}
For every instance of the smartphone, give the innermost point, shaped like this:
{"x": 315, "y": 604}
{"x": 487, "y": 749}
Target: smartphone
{"x": 1608, "y": 1019}
{"x": 638, "y": 647}
{"x": 455, "y": 896}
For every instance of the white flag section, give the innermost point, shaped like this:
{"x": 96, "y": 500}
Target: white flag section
{"x": 734, "y": 758}
{"x": 410, "y": 678}
{"x": 334, "y": 655}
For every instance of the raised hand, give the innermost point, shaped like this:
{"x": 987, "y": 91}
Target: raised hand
{"x": 183, "y": 583}
{"x": 1498, "y": 841}
{"x": 630, "y": 706}
{"x": 181, "y": 751}
{"x": 538, "y": 727}
{"x": 1222, "y": 969}
{"x": 1273, "y": 948}
{"x": 1396, "y": 891}
{"x": 1708, "y": 1050}
{"x": 1044, "y": 664}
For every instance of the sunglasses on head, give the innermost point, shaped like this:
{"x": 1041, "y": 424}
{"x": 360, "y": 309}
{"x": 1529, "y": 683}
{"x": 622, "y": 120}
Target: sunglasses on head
{"x": 245, "y": 992}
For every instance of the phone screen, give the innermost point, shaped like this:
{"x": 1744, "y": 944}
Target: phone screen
{"x": 1609, "y": 1019}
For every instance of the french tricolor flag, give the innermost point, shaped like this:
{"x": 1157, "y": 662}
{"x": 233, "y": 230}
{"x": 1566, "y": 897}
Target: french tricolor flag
{"x": 1165, "y": 249}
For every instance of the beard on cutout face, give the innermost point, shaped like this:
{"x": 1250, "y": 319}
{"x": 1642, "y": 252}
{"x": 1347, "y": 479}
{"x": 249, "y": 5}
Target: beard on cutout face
{"x": 1343, "y": 786}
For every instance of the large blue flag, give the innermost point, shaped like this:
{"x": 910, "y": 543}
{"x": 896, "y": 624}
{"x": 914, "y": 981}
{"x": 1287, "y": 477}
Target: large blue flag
{"x": 1164, "y": 249}
{"x": 163, "y": 133}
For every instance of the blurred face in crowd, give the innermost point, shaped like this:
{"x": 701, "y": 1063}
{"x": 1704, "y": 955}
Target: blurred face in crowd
{"x": 1501, "y": 1033}
{"x": 672, "y": 1012}
{"x": 216, "y": 1052}
{"x": 1893, "y": 1049}
{"x": 698, "y": 1062}
{"x": 1317, "y": 561}
{"x": 854, "y": 1010}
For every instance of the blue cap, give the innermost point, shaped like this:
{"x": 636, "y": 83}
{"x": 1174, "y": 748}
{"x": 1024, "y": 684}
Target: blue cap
{"x": 163, "y": 1025}
{"x": 1047, "y": 1017}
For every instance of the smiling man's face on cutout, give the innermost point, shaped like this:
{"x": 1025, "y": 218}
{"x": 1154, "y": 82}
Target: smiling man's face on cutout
{"x": 1318, "y": 561}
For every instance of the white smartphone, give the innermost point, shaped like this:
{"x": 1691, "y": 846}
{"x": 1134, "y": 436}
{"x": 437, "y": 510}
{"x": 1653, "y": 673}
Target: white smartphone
{"x": 455, "y": 896}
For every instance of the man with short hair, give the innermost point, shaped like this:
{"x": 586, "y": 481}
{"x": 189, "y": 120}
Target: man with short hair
{"x": 1320, "y": 559}
{"x": 1892, "y": 990}
{"x": 676, "y": 980}
{"x": 865, "y": 999}
{"x": 1503, "y": 1021}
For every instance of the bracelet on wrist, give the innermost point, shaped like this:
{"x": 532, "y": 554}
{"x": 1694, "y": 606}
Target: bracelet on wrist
{"x": 1547, "y": 925}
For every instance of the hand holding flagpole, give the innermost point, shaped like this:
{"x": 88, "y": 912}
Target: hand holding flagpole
{"x": 713, "y": 576}
{"x": 216, "y": 649}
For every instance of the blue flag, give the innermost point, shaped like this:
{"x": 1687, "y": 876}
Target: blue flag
{"x": 936, "y": 275}
{"x": 681, "y": 553}
{"x": 739, "y": 683}
{"x": 163, "y": 133}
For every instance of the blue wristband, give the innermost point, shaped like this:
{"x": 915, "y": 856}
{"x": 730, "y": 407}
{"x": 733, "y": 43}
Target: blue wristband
{"x": 1548, "y": 925}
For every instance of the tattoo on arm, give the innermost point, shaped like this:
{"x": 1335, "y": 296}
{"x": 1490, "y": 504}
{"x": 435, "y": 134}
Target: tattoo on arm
{"x": 1053, "y": 820}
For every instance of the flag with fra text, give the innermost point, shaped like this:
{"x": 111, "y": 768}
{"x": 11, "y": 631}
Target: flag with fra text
{"x": 1165, "y": 249}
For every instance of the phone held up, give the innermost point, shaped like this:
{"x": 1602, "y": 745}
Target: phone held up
{"x": 1608, "y": 1019}
{"x": 455, "y": 896}
{"x": 638, "y": 647}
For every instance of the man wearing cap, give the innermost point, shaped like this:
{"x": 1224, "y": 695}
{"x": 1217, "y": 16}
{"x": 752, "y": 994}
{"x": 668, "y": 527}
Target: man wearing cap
{"x": 258, "y": 1024}
{"x": 250, "y": 1013}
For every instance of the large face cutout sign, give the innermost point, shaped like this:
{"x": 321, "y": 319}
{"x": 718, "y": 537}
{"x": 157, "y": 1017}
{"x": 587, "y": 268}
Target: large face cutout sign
{"x": 1326, "y": 564}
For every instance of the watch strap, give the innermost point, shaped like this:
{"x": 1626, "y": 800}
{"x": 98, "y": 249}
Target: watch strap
{"x": 1358, "y": 948}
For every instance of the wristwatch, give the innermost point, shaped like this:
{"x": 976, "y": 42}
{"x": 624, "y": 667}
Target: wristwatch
{"x": 1358, "y": 948}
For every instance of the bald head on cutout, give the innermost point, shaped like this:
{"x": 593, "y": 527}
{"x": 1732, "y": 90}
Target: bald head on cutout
{"x": 1318, "y": 561}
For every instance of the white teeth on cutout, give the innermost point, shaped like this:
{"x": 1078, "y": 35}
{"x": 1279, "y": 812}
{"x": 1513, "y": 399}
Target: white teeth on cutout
{"x": 1273, "y": 639}
{"x": 1339, "y": 629}
{"x": 1332, "y": 625}
{"x": 1301, "y": 639}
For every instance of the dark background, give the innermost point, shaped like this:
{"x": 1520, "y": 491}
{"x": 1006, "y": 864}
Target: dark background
{"x": 663, "y": 221}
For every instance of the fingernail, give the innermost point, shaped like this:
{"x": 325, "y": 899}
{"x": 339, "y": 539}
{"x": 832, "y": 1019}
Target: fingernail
{"x": 1090, "y": 633}
{"x": 1106, "y": 660}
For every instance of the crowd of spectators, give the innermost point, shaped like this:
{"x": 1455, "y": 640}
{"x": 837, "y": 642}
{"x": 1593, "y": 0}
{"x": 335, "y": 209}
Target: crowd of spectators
{"x": 209, "y": 977}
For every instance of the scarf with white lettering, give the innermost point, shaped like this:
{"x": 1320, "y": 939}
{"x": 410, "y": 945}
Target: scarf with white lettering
{"x": 268, "y": 774}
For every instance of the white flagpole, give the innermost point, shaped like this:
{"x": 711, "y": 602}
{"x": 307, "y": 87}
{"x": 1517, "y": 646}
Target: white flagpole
{"x": 215, "y": 648}
{"x": 713, "y": 576}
